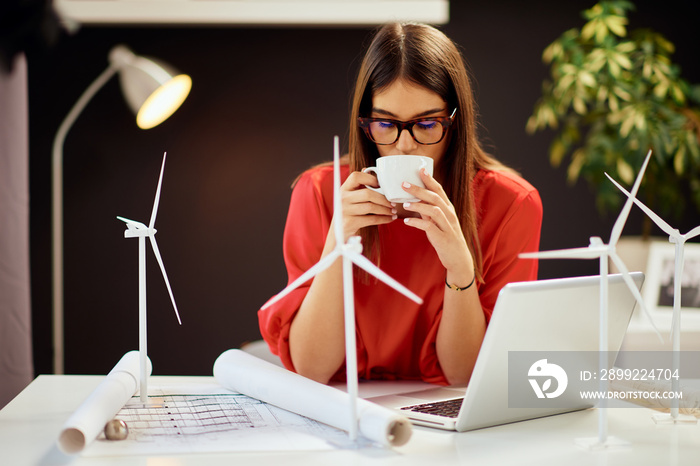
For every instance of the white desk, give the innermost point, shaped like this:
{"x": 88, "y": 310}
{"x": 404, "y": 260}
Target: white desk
{"x": 30, "y": 425}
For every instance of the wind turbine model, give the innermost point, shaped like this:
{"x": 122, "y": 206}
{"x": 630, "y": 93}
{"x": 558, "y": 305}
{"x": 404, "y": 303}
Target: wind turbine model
{"x": 351, "y": 252}
{"x": 139, "y": 230}
{"x": 674, "y": 236}
{"x": 599, "y": 250}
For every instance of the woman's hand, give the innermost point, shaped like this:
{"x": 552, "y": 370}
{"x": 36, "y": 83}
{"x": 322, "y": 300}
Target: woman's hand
{"x": 437, "y": 217}
{"x": 462, "y": 324}
{"x": 361, "y": 206}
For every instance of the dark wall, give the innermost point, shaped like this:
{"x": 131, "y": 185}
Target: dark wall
{"x": 264, "y": 106}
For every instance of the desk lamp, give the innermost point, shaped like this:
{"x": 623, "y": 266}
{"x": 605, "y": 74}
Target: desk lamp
{"x": 153, "y": 91}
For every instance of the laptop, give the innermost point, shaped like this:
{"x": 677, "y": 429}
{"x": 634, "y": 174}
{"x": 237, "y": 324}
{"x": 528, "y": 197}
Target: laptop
{"x": 547, "y": 316}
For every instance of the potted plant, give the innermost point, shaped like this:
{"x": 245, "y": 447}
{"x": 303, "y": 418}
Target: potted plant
{"x": 612, "y": 95}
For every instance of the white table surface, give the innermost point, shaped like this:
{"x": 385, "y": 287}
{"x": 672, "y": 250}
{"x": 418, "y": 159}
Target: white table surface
{"x": 30, "y": 425}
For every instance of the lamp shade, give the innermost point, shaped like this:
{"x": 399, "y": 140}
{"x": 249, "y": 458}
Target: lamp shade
{"x": 152, "y": 89}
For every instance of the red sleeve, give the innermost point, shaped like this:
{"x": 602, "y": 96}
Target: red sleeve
{"x": 518, "y": 231}
{"x": 305, "y": 232}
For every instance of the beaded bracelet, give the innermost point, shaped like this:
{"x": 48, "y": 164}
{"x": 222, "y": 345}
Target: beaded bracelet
{"x": 456, "y": 288}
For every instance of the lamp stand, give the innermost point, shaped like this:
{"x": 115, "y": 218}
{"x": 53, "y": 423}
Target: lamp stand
{"x": 57, "y": 213}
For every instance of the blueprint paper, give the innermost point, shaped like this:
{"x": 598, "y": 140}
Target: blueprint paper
{"x": 207, "y": 418}
{"x": 244, "y": 373}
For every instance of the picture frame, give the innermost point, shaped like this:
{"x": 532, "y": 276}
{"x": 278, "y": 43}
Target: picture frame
{"x": 659, "y": 284}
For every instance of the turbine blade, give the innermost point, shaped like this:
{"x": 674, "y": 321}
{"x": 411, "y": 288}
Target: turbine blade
{"x": 573, "y": 253}
{"x": 635, "y": 291}
{"x": 650, "y": 213}
{"x": 367, "y": 265}
{"x": 320, "y": 266}
{"x": 156, "y": 251}
{"x": 337, "y": 203}
{"x": 155, "y": 203}
{"x": 133, "y": 223}
{"x": 624, "y": 213}
{"x": 693, "y": 233}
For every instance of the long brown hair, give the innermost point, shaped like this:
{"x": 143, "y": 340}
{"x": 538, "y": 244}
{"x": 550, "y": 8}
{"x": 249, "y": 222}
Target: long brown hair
{"x": 424, "y": 56}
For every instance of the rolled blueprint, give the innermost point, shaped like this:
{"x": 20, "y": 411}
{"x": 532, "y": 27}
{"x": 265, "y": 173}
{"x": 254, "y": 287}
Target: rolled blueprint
{"x": 251, "y": 376}
{"x": 102, "y": 405}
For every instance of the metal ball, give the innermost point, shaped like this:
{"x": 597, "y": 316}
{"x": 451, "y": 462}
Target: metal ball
{"x": 116, "y": 429}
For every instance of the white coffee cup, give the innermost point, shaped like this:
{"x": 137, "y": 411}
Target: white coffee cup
{"x": 393, "y": 170}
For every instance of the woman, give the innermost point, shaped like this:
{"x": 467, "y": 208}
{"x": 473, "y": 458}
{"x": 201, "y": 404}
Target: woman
{"x": 456, "y": 248}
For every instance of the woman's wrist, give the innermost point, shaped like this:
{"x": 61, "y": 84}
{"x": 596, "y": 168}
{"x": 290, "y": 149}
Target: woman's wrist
{"x": 456, "y": 287}
{"x": 460, "y": 281}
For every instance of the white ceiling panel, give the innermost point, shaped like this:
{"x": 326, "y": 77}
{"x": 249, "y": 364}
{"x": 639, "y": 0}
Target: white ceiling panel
{"x": 253, "y": 12}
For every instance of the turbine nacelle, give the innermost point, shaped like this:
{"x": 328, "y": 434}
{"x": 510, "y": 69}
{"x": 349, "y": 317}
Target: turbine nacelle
{"x": 353, "y": 245}
{"x": 596, "y": 241}
{"x": 136, "y": 229}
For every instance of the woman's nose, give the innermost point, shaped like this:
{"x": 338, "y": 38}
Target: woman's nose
{"x": 406, "y": 144}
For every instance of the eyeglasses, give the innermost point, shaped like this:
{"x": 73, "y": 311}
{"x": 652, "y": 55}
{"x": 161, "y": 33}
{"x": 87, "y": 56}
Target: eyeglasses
{"x": 384, "y": 131}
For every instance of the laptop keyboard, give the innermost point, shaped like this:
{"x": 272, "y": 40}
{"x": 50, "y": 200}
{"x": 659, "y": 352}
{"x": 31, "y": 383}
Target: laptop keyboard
{"x": 447, "y": 408}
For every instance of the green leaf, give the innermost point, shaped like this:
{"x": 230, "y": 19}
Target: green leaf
{"x": 623, "y": 94}
{"x": 664, "y": 43}
{"x": 587, "y": 79}
{"x": 691, "y": 139}
{"x": 613, "y": 103}
{"x": 627, "y": 124}
{"x": 601, "y": 32}
{"x": 614, "y": 68}
{"x": 589, "y": 29}
{"x": 626, "y": 47}
{"x": 550, "y": 117}
{"x": 595, "y": 10}
{"x": 569, "y": 69}
{"x": 625, "y": 171}
{"x": 578, "y": 159}
{"x": 661, "y": 70}
{"x": 661, "y": 89}
{"x": 553, "y": 50}
{"x": 679, "y": 161}
{"x": 532, "y": 125}
{"x": 556, "y": 152}
{"x": 678, "y": 95}
{"x": 617, "y": 24}
{"x": 565, "y": 82}
{"x": 602, "y": 94}
{"x": 623, "y": 61}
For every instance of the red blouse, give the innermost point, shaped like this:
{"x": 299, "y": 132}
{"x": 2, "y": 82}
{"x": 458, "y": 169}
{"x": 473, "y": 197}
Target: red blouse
{"x": 395, "y": 336}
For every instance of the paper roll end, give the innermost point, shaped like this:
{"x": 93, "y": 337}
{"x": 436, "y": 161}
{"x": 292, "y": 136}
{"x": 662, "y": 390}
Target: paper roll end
{"x": 399, "y": 432}
{"x": 71, "y": 441}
